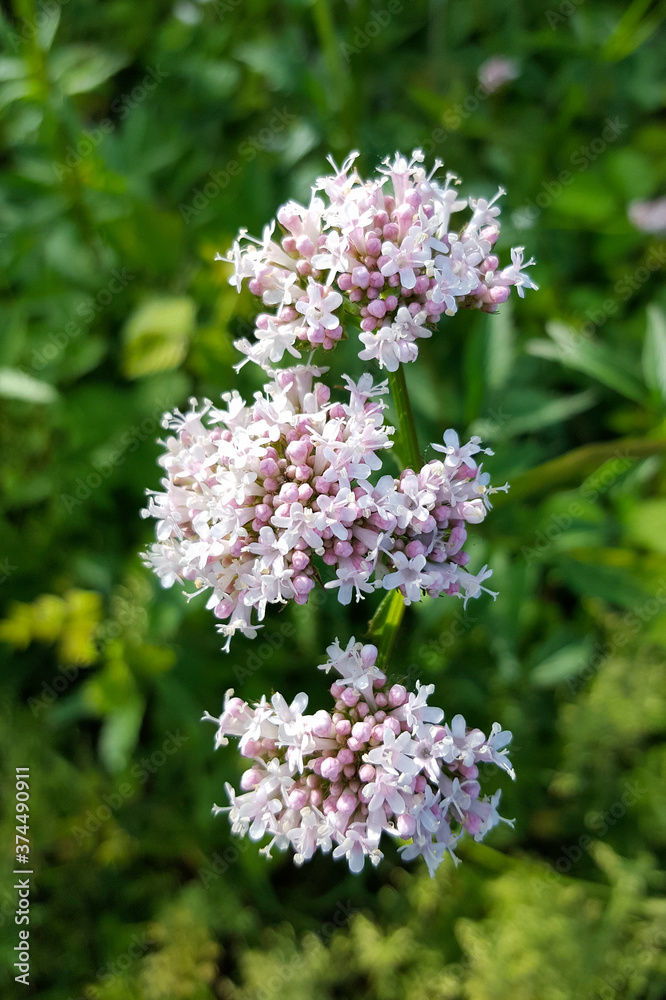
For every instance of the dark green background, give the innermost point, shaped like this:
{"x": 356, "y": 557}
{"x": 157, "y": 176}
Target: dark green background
{"x": 121, "y": 122}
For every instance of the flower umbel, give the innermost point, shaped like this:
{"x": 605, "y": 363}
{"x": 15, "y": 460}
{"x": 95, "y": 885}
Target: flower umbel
{"x": 256, "y": 495}
{"x": 382, "y": 761}
{"x": 384, "y": 252}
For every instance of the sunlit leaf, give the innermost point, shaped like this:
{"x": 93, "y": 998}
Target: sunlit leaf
{"x": 16, "y": 384}
{"x": 654, "y": 352}
{"x": 156, "y": 337}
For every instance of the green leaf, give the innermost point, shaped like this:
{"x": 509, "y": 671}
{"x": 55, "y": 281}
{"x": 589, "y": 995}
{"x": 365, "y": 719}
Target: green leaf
{"x": 79, "y": 69}
{"x": 46, "y": 29}
{"x": 564, "y": 663}
{"x": 633, "y": 28}
{"x": 12, "y": 68}
{"x": 15, "y": 384}
{"x": 646, "y": 524}
{"x": 119, "y": 734}
{"x": 552, "y": 411}
{"x": 654, "y": 352}
{"x": 385, "y": 624}
{"x": 157, "y": 335}
{"x": 500, "y": 349}
{"x": 574, "y": 350}
{"x": 610, "y": 583}
{"x": 576, "y": 465}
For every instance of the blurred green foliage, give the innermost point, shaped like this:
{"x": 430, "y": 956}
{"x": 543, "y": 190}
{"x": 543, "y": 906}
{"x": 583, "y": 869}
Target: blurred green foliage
{"x": 137, "y": 140}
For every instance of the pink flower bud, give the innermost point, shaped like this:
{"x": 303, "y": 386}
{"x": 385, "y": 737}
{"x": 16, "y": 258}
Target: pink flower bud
{"x": 397, "y": 695}
{"x": 299, "y": 561}
{"x": 303, "y": 584}
{"x": 360, "y": 276}
{"x": 223, "y": 608}
{"x": 377, "y": 308}
{"x": 304, "y": 245}
{"x": 331, "y": 768}
{"x": 366, "y": 772}
{"x": 297, "y": 798}
{"x": 350, "y": 697}
{"x": 499, "y": 294}
{"x": 298, "y": 451}
{"x": 250, "y": 778}
{"x": 361, "y": 731}
{"x": 369, "y": 654}
{"x": 252, "y": 748}
{"x": 347, "y": 803}
{"x": 322, "y": 724}
{"x": 406, "y": 825}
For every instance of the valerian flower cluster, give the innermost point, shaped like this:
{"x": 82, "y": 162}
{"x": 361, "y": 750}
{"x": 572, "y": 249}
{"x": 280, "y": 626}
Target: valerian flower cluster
{"x": 254, "y": 493}
{"x": 263, "y": 501}
{"x": 383, "y": 761}
{"x": 386, "y": 257}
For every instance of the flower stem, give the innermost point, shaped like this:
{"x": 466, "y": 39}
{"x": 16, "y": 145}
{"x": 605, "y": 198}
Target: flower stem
{"x": 384, "y": 625}
{"x": 388, "y": 616}
{"x": 407, "y": 443}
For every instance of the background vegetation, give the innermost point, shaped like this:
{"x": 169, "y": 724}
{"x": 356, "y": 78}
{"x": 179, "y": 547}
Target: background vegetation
{"x": 138, "y": 138}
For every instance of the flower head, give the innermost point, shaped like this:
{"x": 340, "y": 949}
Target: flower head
{"x": 383, "y": 251}
{"x": 382, "y": 762}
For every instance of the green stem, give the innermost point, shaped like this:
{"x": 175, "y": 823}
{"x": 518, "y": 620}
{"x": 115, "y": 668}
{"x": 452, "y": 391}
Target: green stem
{"x": 384, "y": 625}
{"x": 388, "y": 616}
{"x": 408, "y": 446}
